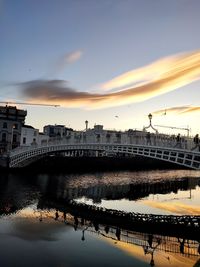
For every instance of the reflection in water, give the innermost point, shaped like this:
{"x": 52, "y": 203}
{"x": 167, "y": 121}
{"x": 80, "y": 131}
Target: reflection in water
{"x": 152, "y": 247}
{"x": 34, "y": 209}
{"x": 133, "y": 188}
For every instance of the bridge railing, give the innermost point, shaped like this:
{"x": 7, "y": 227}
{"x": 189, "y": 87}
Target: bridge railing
{"x": 155, "y": 141}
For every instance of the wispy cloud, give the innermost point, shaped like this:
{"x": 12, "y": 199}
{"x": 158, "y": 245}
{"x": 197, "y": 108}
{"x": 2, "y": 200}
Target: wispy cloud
{"x": 191, "y": 110}
{"x": 72, "y": 57}
{"x": 177, "y": 66}
{"x": 158, "y": 78}
{"x": 177, "y": 110}
{"x": 171, "y": 110}
{"x": 67, "y": 59}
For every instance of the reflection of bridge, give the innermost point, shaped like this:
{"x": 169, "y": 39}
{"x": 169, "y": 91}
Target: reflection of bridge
{"x": 165, "y": 151}
{"x": 160, "y": 242}
{"x": 172, "y": 225}
{"x": 147, "y": 241}
{"x": 85, "y": 218}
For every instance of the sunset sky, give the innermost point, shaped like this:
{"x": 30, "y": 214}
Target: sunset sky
{"x": 110, "y": 62}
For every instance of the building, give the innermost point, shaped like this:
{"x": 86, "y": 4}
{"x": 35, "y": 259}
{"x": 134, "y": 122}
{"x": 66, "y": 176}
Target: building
{"x": 57, "y": 131}
{"x": 29, "y": 135}
{"x": 11, "y": 122}
{"x": 32, "y": 137}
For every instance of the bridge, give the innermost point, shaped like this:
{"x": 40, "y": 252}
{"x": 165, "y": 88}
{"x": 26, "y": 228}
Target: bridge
{"x": 164, "y": 149}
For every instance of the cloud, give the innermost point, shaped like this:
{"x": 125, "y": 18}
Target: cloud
{"x": 66, "y": 59}
{"x": 72, "y": 57}
{"x": 158, "y": 78}
{"x": 171, "y": 110}
{"x": 191, "y": 110}
{"x": 175, "y": 207}
{"x": 161, "y": 69}
{"x": 177, "y": 110}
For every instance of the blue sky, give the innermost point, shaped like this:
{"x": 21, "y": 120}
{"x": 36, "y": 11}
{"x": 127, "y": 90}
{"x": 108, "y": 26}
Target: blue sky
{"x": 112, "y": 38}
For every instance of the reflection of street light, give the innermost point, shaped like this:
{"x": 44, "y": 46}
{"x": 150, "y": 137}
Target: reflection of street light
{"x": 83, "y": 233}
{"x": 83, "y": 236}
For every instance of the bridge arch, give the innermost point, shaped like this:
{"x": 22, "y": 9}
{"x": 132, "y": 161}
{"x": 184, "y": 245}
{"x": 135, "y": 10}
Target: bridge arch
{"x": 191, "y": 159}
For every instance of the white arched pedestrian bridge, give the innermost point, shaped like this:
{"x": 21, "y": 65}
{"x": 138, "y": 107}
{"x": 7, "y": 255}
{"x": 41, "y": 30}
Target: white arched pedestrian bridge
{"x": 187, "y": 157}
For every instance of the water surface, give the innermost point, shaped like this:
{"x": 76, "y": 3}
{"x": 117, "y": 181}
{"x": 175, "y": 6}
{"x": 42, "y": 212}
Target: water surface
{"x": 34, "y": 230}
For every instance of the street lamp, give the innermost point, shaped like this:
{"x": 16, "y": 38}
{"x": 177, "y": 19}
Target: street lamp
{"x": 150, "y": 116}
{"x": 86, "y": 125}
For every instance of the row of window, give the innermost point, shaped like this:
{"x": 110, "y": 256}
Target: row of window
{"x": 5, "y": 125}
{"x": 4, "y": 137}
{"x": 24, "y": 140}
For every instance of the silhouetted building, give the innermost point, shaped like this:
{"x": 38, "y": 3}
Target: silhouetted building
{"x": 11, "y": 122}
{"x": 58, "y": 131}
{"x": 32, "y": 137}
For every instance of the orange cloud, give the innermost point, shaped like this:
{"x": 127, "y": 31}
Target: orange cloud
{"x": 158, "y": 78}
{"x": 177, "y": 110}
{"x": 191, "y": 109}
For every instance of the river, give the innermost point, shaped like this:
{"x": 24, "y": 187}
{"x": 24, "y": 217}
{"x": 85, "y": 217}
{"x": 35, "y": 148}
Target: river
{"x": 35, "y": 230}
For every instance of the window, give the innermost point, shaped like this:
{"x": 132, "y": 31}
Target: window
{"x": 5, "y": 125}
{"x": 24, "y": 140}
{"x": 14, "y": 138}
{"x": 4, "y": 137}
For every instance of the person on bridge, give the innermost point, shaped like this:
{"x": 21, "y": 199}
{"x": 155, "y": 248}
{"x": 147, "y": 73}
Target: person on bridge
{"x": 196, "y": 142}
{"x": 178, "y": 141}
{"x": 148, "y": 137}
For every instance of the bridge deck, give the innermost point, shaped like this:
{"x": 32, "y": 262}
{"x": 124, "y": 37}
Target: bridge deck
{"x": 181, "y": 156}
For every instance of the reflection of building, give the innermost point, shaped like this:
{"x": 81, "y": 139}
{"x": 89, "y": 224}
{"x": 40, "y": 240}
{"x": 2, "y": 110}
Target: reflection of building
{"x": 96, "y": 193}
{"x": 11, "y": 122}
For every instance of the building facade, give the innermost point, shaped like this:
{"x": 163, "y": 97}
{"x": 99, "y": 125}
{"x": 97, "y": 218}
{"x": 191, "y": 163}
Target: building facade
{"x": 32, "y": 137}
{"x": 11, "y": 122}
{"x": 57, "y": 131}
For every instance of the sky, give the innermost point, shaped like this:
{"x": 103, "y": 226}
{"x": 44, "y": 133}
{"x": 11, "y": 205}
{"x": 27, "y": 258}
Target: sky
{"x": 110, "y": 62}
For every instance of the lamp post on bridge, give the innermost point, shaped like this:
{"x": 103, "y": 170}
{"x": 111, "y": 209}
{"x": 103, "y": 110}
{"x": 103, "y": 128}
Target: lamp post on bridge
{"x": 148, "y": 137}
{"x": 86, "y": 125}
{"x": 150, "y": 116}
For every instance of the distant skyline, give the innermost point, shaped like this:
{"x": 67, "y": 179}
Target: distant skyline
{"x": 110, "y": 62}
